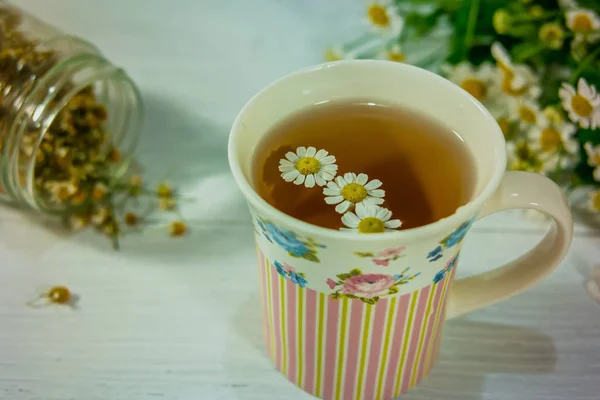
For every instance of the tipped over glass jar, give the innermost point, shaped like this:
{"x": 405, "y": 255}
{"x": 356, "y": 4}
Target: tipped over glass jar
{"x": 69, "y": 119}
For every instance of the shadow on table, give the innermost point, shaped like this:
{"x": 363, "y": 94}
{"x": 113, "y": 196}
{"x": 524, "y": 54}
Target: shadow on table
{"x": 470, "y": 352}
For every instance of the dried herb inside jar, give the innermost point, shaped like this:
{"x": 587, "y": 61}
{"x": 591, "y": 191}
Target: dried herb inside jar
{"x": 76, "y": 164}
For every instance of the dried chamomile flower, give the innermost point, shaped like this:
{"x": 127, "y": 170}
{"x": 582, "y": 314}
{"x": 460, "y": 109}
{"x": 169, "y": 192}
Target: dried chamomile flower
{"x": 177, "y": 228}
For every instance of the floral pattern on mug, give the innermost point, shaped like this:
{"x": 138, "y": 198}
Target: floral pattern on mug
{"x": 384, "y": 257}
{"x": 451, "y": 240}
{"x": 290, "y": 241}
{"x": 441, "y": 274}
{"x": 367, "y": 287}
{"x": 288, "y": 272}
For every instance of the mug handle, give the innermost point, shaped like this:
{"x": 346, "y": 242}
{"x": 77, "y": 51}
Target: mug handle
{"x": 518, "y": 190}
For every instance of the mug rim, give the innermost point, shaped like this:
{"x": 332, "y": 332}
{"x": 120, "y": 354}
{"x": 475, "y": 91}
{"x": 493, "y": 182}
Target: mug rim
{"x": 448, "y": 223}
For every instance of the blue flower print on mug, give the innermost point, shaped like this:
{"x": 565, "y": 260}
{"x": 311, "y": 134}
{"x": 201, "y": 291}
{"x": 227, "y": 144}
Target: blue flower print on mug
{"x": 290, "y": 241}
{"x": 288, "y": 272}
{"x": 454, "y": 239}
{"x": 442, "y": 273}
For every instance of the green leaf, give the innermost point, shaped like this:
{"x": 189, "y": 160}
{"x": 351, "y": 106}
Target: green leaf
{"x": 524, "y": 51}
{"x": 367, "y": 254}
{"x": 311, "y": 257}
{"x": 369, "y": 301}
{"x": 393, "y": 290}
{"x": 294, "y": 255}
{"x": 355, "y": 272}
{"x": 344, "y": 276}
{"x": 335, "y": 295}
{"x": 351, "y": 296}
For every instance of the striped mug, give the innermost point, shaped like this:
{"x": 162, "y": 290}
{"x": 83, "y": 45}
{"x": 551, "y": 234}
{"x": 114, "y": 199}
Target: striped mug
{"x": 349, "y": 316}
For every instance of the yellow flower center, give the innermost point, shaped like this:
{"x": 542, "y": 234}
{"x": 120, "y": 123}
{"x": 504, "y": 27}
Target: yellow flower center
{"x": 378, "y": 15}
{"x": 501, "y": 21}
{"x": 552, "y": 35}
{"x": 581, "y": 106}
{"x": 582, "y": 23}
{"x": 596, "y": 201}
{"x": 550, "y": 140}
{"x": 354, "y": 193}
{"x": 596, "y": 159}
{"x": 476, "y": 88}
{"x": 526, "y": 114}
{"x": 527, "y": 161}
{"x": 395, "y": 56}
{"x": 536, "y": 11}
{"x": 308, "y": 165}
{"x": 507, "y": 85}
{"x": 371, "y": 225}
{"x": 504, "y": 125}
{"x": 331, "y": 55}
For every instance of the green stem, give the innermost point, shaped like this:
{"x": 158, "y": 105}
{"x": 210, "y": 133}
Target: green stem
{"x": 584, "y": 64}
{"x": 471, "y": 24}
{"x": 528, "y": 18}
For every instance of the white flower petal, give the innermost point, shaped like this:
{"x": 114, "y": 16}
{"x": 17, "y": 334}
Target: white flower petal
{"x": 341, "y": 181}
{"x": 327, "y": 160}
{"x": 361, "y": 210}
{"x": 326, "y": 175}
{"x": 292, "y": 157}
{"x": 362, "y": 179}
{"x": 597, "y": 174}
{"x": 334, "y": 186}
{"x": 350, "y": 220}
{"x": 301, "y": 151}
{"x": 334, "y": 199}
{"x": 376, "y": 193}
{"x": 311, "y": 152}
{"x": 284, "y": 168}
{"x": 374, "y": 184}
{"x": 349, "y": 177}
{"x": 394, "y": 223}
{"x": 286, "y": 163}
{"x": 299, "y": 179}
{"x": 321, "y": 154}
{"x": 290, "y": 176}
{"x": 328, "y": 191}
{"x": 331, "y": 168}
{"x": 383, "y": 214}
{"x": 583, "y": 88}
{"x": 310, "y": 181}
{"x": 343, "y": 207}
{"x": 374, "y": 201}
{"x": 320, "y": 180}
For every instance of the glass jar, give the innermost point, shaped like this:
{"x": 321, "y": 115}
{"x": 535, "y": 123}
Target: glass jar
{"x": 68, "y": 117}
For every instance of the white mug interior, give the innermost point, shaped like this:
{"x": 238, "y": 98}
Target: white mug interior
{"x": 377, "y": 81}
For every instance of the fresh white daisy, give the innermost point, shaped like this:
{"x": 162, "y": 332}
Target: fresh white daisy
{"x": 478, "y": 81}
{"x": 582, "y": 105}
{"x": 584, "y": 23}
{"x": 567, "y": 4}
{"x": 521, "y": 157}
{"x": 351, "y": 189}
{"x": 594, "y": 201}
{"x": 370, "y": 219}
{"x": 526, "y": 112}
{"x": 555, "y": 144}
{"x": 384, "y": 18}
{"x": 393, "y": 53}
{"x": 308, "y": 166}
{"x": 593, "y": 158}
{"x": 517, "y": 80}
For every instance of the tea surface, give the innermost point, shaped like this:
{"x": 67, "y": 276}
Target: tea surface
{"x": 426, "y": 170}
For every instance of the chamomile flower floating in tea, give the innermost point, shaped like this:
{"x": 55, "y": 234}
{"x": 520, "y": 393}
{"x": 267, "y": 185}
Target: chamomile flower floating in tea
{"x": 350, "y": 190}
{"x": 593, "y": 158}
{"x": 583, "y": 104}
{"x": 308, "y": 166}
{"x": 370, "y": 219}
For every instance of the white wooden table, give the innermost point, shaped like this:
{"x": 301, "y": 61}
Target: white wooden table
{"x": 179, "y": 319}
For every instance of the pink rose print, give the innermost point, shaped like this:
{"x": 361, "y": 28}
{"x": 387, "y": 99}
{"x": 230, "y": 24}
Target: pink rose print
{"x": 390, "y": 253}
{"x": 381, "y": 263}
{"x": 368, "y": 286}
{"x": 383, "y": 258}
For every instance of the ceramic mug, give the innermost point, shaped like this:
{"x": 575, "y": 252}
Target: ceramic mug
{"x": 351, "y": 316}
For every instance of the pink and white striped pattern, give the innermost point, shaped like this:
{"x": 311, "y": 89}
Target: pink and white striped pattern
{"x": 346, "y": 349}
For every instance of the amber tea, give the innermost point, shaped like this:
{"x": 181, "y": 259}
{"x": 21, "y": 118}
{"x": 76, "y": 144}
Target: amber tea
{"x": 335, "y": 164}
